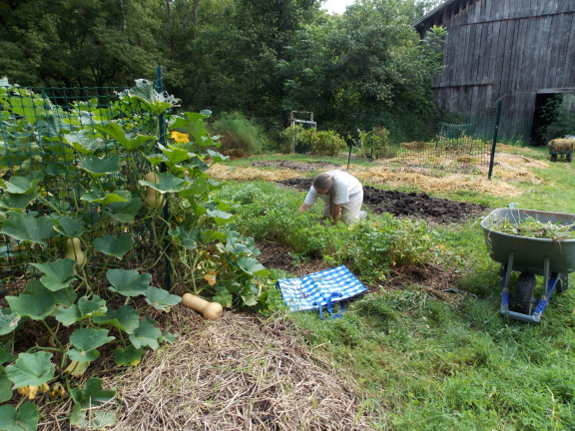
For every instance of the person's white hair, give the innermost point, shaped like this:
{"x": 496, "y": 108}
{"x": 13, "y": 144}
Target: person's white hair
{"x": 323, "y": 182}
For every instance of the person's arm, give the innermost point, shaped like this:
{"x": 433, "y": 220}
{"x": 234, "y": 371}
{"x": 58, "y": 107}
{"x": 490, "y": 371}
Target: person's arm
{"x": 304, "y": 207}
{"x": 336, "y": 213}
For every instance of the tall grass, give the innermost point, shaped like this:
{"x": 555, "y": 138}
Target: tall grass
{"x": 240, "y": 134}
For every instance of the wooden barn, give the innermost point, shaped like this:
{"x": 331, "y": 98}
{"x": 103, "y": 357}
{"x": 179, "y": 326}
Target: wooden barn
{"x": 521, "y": 52}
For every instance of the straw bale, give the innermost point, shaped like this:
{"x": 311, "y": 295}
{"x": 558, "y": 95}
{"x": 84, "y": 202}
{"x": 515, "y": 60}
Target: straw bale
{"x": 226, "y": 173}
{"x": 237, "y": 373}
{"x": 561, "y": 144}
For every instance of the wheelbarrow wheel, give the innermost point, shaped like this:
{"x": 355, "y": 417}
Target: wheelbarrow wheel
{"x": 553, "y": 157}
{"x": 524, "y": 292}
{"x": 569, "y": 157}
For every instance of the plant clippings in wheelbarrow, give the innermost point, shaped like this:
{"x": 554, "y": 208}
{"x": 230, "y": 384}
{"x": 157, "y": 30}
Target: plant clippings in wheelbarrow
{"x": 533, "y": 228}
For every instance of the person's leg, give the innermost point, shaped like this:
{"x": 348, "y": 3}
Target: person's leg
{"x": 326, "y": 209}
{"x": 350, "y": 210}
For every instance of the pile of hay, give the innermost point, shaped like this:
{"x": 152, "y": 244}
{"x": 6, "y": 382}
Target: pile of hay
{"x": 236, "y": 373}
{"x": 561, "y": 144}
{"x": 226, "y": 173}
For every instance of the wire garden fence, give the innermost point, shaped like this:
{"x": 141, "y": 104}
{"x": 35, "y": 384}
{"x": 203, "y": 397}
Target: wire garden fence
{"x": 451, "y": 143}
{"x": 34, "y": 153}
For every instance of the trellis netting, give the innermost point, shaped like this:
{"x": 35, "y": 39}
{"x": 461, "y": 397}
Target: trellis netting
{"x": 425, "y": 140}
{"x": 42, "y": 133}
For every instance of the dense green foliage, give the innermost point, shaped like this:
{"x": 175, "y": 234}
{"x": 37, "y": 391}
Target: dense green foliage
{"x": 89, "y": 231}
{"x": 262, "y": 58}
{"x": 371, "y": 249}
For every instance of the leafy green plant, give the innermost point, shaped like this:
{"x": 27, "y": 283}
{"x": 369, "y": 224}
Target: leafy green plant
{"x": 532, "y": 228}
{"x": 371, "y": 248}
{"x": 375, "y": 144}
{"x": 101, "y": 218}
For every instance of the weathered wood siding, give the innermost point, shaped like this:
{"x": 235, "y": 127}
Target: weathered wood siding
{"x": 504, "y": 50}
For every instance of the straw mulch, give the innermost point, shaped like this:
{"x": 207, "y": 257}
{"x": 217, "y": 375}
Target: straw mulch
{"x": 397, "y": 178}
{"x": 514, "y": 167}
{"x": 507, "y": 168}
{"x": 236, "y": 373}
{"x": 226, "y": 173}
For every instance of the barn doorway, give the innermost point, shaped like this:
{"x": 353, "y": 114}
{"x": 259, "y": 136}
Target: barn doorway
{"x": 541, "y": 120}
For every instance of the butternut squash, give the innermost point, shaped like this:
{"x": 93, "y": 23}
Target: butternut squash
{"x": 210, "y": 310}
{"x": 154, "y": 199}
{"x": 74, "y": 252}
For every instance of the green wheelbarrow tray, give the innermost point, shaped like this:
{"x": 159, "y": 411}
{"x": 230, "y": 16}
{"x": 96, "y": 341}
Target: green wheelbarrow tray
{"x": 552, "y": 259}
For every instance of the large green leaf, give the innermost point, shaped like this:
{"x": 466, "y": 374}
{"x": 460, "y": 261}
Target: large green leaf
{"x": 252, "y": 266}
{"x": 161, "y": 299}
{"x": 104, "y": 166}
{"x": 92, "y": 307}
{"x": 68, "y": 316}
{"x": 114, "y": 246}
{"x": 124, "y": 318}
{"x": 31, "y": 369}
{"x": 175, "y": 155}
{"x": 84, "y": 141}
{"x": 128, "y": 282}
{"x": 28, "y": 228}
{"x": 146, "y": 335}
{"x": 86, "y": 341}
{"x": 24, "y": 419}
{"x": 36, "y": 301}
{"x": 5, "y": 386}
{"x": 167, "y": 183}
{"x": 220, "y": 217}
{"x": 57, "y": 275}
{"x": 123, "y": 211}
{"x": 24, "y": 185}
{"x": 155, "y": 102}
{"x": 8, "y": 323}
{"x": 129, "y": 356}
{"x": 99, "y": 197}
{"x": 16, "y": 202}
{"x": 126, "y": 140}
{"x": 92, "y": 395}
{"x": 69, "y": 226}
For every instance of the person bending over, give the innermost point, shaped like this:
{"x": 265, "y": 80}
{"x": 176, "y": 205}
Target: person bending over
{"x": 341, "y": 193}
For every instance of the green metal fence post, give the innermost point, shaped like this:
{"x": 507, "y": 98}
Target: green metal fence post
{"x": 163, "y": 168}
{"x": 495, "y": 130}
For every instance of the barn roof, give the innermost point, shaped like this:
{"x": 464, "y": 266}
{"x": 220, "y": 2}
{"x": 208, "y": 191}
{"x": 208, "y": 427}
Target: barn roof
{"x": 433, "y": 12}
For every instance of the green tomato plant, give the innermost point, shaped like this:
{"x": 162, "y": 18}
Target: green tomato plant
{"x": 97, "y": 207}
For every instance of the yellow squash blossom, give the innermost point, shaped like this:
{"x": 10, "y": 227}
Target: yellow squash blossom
{"x": 180, "y": 137}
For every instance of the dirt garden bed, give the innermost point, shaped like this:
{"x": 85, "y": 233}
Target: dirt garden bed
{"x": 420, "y": 206}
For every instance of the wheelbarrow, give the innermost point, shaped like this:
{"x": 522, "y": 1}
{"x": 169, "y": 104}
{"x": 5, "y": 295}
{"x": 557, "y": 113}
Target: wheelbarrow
{"x": 550, "y": 258}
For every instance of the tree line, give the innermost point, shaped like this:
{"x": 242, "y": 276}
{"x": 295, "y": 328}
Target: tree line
{"x": 263, "y": 58}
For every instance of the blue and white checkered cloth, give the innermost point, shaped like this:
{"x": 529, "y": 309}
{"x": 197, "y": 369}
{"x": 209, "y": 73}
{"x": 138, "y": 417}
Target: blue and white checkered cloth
{"x": 314, "y": 291}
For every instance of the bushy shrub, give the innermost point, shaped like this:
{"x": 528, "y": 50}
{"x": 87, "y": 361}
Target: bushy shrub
{"x": 238, "y": 134}
{"x": 325, "y": 143}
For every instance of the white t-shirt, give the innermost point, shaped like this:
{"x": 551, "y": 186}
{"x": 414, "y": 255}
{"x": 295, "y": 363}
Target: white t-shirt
{"x": 346, "y": 188}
